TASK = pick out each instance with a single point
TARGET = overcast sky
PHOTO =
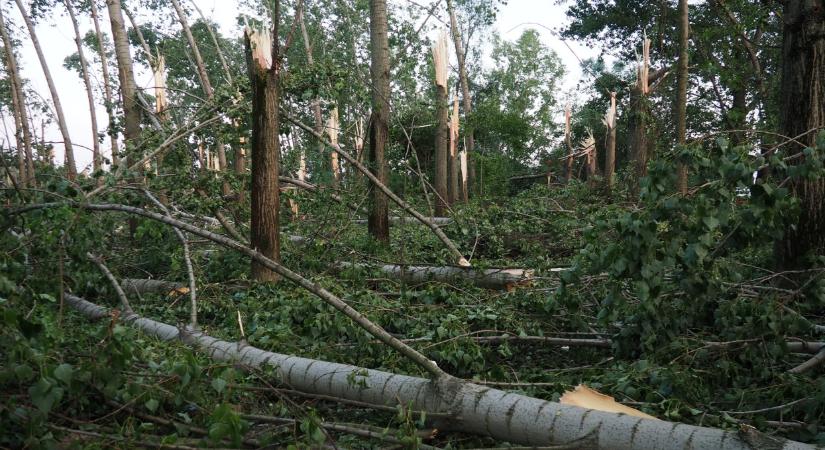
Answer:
(57, 39)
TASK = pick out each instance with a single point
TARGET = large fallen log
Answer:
(395, 220)
(474, 409)
(148, 286)
(487, 278)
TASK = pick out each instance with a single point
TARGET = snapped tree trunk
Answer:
(71, 168)
(107, 86)
(126, 75)
(97, 161)
(638, 141)
(22, 132)
(469, 141)
(316, 102)
(262, 63)
(379, 226)
(681, 91)
(475, 409)
(802, 108)
(610, 146)
(442, 131)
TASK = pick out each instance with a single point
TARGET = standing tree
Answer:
(681, 91)
(263, 65)
(610, 146)
(71, 168)
(107, 86)
(442, 190)
(568, 140)
(97, 161)
(20, 113)
(455, 194)
(802, 109)
(379, 224)
(128, 88)
(469, 140)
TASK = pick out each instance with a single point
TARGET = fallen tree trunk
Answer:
(475, 409)
(487, 278)
(147, 286)
(396, 220)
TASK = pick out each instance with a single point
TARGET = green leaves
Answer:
(45, 394)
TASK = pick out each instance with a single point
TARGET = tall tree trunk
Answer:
(379, 225)
(610, 146)
(128, 88)
(442, 132)
(263, 65)
(97, 162)
(455, 194)
(802, 108)
(638, 141)
(71, 168)
(22, 132)
(568, 139)
(469, 140)
(316, 102)
(107, 86)
(204, 78)
(681, 91)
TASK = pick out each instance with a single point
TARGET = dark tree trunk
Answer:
(441, 153)
(266, 146)
(379, 225)
(802, 108)
(681, 91)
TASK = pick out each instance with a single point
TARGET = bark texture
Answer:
(71, 168)
(486, 278)
(681, 91)
(802, 108)
(442, 136)
(379, 226)
(610, 146)
(266, 147)
(475, 409)
(126, 75)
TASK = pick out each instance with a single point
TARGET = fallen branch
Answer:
(488, 278)
(476, 409)
(124, 301)
(328, 297)
(389, 193)
(817, 360)
(147, 286)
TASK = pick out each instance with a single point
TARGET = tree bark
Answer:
(455, 193)
(568, 139)
(107, 86)
(802, 108)
(443, 198)
(266, 146)
(485, 278)
(379, 226)
(128, 88)
(71, 168)
(469, 140)
(681, 91)
(474, 409)
(22, 132)
(97, 161)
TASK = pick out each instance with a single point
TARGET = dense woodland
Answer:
(381, 224)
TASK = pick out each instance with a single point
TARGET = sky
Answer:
(57, 39)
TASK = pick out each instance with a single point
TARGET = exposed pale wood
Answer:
(488, 278)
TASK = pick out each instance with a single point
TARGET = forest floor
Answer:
(115, 386)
